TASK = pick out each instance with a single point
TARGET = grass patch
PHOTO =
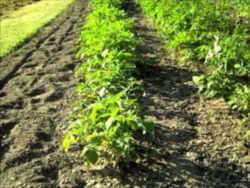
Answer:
(25, 22)
(8, 6)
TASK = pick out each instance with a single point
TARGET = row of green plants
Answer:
(107, 114)
(216, 35)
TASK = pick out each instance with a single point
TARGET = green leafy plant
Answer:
(214, 34)
(107, 114)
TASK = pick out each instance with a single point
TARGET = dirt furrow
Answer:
(36, 93)
(197, 143)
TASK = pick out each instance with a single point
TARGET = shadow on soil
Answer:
(165, 160)
(173, 158)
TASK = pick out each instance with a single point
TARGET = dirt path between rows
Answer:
(197, 143)
(36, 93)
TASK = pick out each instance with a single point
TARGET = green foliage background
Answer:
(215, 34)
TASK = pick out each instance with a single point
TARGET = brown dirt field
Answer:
(198, 143)
(36, 92)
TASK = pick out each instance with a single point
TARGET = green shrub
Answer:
(108, 113)
(215, 34)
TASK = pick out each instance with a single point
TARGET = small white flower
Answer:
(217, 47)
(102, 92)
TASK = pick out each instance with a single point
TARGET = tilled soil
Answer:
(197, 143)
(36, 92)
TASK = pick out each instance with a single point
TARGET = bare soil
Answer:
(37, 89)
(198, 143)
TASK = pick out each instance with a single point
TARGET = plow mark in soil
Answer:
(36, 93)
(194, 144)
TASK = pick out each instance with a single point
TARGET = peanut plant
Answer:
(214, 34)
(108, 112)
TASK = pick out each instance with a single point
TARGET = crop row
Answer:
(213, 33)
(107, 111)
